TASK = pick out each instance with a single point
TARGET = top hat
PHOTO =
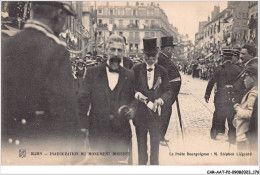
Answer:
(167, 41)
(64, 5)
(150, 46)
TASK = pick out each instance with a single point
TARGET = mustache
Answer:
(115, 59)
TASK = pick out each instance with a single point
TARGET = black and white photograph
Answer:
(130, 83)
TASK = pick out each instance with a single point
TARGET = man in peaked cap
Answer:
(152, 92)
(38, 106)
(164, 60)
(224, 76)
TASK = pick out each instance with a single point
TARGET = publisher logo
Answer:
(22, 153)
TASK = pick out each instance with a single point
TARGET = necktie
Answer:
(150, 69)
(112, 70)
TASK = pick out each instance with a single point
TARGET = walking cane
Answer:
(179, 115)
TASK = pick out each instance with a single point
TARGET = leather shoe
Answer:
(162, 143)
(164, 140)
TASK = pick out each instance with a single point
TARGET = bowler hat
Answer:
(64, 5)
(167, 41)
(150, 46)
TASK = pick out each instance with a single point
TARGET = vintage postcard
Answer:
(129, 83)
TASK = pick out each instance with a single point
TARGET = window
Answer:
(128, 12)
(100, 21)
(111, 11)
(131, 35)
(111, 21)
(130, 47)
(136, 47)
(136, 22)
(99, 33)
(134, 12)
(120, 23)
(152, 22)
(146, 34)
(99, 10)
(137, 35)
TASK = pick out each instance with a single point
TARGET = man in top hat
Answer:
(38, 106)
(224, 76)
(109, 90)
(164, 59)
(153, 92)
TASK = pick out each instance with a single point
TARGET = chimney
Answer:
(208, 19)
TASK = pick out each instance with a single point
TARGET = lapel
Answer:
(156, 74)
(103, 82)
(143, 77)
(121, 80)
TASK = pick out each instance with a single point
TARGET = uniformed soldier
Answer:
(164, 59)
(224, 76)
(38, 105)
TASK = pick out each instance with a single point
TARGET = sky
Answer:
(185, 15)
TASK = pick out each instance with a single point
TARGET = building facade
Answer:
(134, 23)
(229, 27)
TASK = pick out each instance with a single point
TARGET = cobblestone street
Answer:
(196, 119)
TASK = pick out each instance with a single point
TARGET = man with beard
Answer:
(164, 60)
(109, 90)
(38, 105)
(153, 92)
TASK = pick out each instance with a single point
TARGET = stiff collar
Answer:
(37, 25)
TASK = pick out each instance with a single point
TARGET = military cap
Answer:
(227, 51)
(64, 5)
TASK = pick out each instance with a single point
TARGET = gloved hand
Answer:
(141, 97)
(206, 97)
(158, 102)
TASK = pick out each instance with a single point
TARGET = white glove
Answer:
(158, 102)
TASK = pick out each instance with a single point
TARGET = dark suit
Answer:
(37, 86)
(147, 121)
(127, 63)
(107, 130)
(224, 76)
(164, 60)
